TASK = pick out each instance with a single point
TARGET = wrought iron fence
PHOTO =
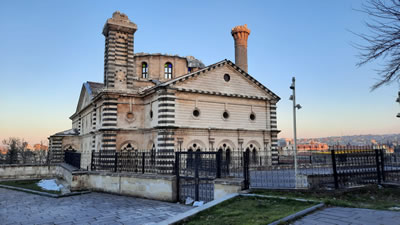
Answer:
(339, 167)
(73, 158)
(356, 165)
(391, 167)
(260, 170)
(135, 161)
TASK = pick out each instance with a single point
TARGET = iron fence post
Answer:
(335, 175)
(196, 174)
(116, 162)
(378, 168)
(246, 159)
(91, 161)
(218, 158)
(177, 174)
(382, 153)
(143, 161)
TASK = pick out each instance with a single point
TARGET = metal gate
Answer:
(195, 173)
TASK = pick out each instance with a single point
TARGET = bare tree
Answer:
(16, 146)
(383, 42)
(42, 154)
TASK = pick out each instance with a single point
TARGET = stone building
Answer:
(167, 103)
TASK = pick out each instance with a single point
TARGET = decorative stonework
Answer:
(240, 34)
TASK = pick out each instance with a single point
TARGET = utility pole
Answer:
(295, 106)
(398, 100)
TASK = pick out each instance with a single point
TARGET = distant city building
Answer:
(313, 146)
(29, 147)
(4, 149)
(38, 147)
(286, 146)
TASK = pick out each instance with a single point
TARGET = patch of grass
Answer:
(248, 211)
(28, 184)
(371, 197)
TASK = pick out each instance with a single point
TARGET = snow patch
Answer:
(50, 185)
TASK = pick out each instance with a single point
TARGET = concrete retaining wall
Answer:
(26, 171)
(151, 186)
(76, 180)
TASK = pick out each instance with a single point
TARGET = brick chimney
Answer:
(240, 35)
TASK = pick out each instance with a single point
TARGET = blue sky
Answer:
(49, 48)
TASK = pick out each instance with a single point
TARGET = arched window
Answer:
(145, 70)
(168, 70)
(225, 151)
(252, 149)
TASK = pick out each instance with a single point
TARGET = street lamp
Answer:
(295, 106)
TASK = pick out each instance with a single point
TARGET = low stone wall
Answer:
(76, 179)
(223, 187)
(151, 186)
(26, 171)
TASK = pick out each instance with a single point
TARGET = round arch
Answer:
(226, 143)
(252, 144)
(196, 145)
(69, 147)
(128, 145)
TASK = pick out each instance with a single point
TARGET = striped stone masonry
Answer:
(118, 55)
(94, 118)
(165, 148)
(80, 124)
(55, 149)
(109, 140)
(272, 121)
(166, 109)
(109, 113)
(274, 133)
(130, 76)
(165, 137)
(109, 60)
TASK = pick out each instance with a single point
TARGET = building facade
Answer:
(168, 103)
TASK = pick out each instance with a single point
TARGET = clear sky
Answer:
(49, 48)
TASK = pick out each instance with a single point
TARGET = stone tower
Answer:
(118, 55)
(240, 34)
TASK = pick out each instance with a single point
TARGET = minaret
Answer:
(240, 34)
(118, 55)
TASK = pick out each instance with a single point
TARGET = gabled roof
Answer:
(214, 66)
(70, 132)
(94, 88)
(91, 89)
